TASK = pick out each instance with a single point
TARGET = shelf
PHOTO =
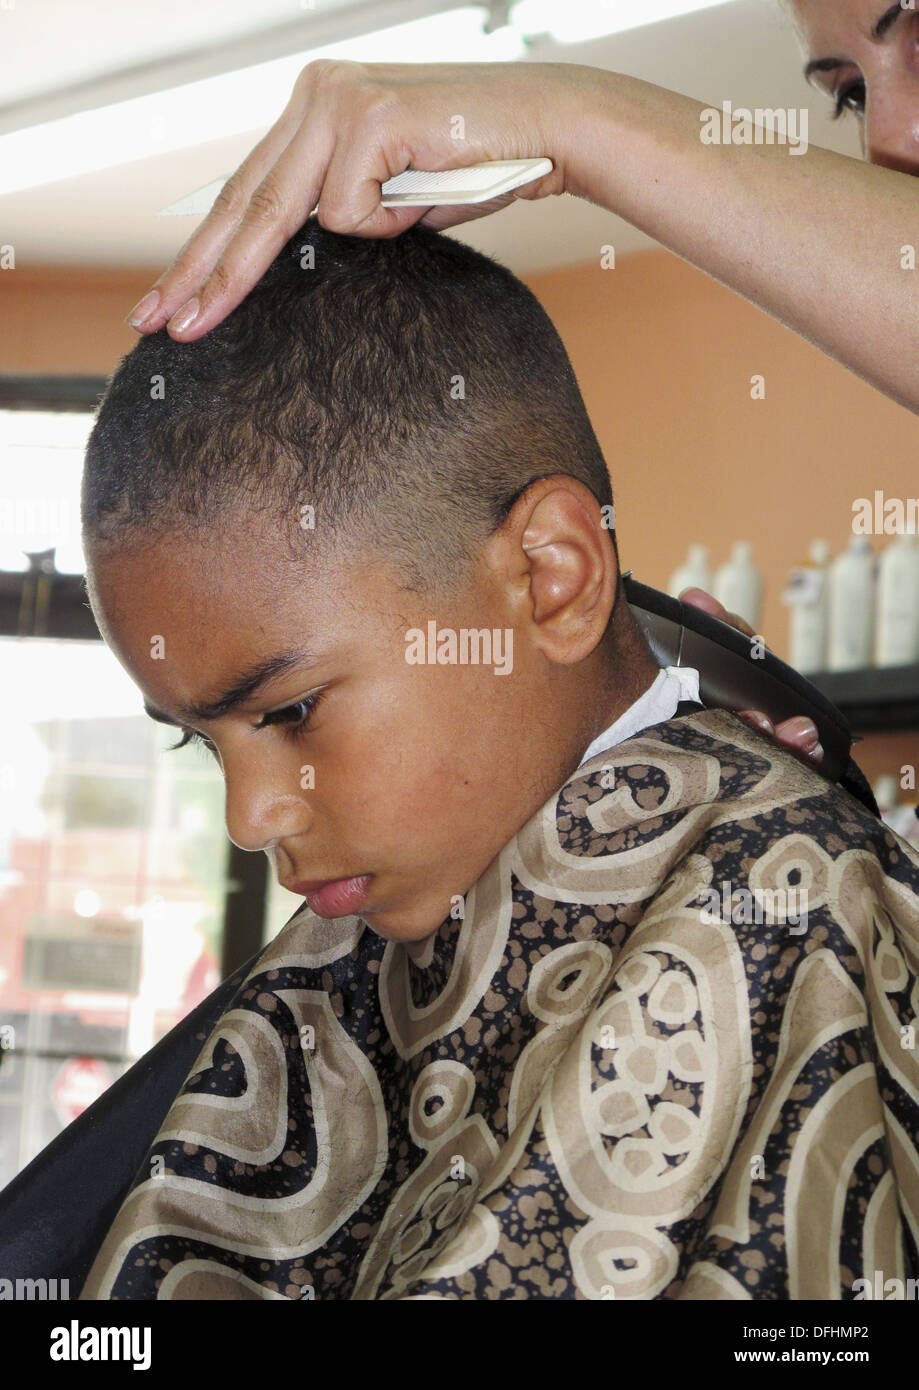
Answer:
(879, 700)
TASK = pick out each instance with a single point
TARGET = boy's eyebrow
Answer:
(242, 689)
(888, 18)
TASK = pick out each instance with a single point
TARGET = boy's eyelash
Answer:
(292, 728)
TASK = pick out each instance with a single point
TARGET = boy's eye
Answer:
(294, 718)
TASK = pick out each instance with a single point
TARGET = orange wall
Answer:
(68, 319)
(664, 356)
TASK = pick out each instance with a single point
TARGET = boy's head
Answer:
(382, 446)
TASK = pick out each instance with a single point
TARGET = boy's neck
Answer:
(631, 670)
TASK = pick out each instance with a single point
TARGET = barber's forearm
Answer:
(814, 239)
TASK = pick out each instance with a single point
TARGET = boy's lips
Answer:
(332, 897)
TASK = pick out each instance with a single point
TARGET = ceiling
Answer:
(59, 57)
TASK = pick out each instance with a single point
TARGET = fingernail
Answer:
(816, 753)
(143, 308)
(759, 721)
(800, 724)
(184, 316)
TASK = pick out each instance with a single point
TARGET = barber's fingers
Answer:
(347, 128)
(699, 598)
(799, 735)
(202, 251)
(330, 151)
(365, 154)
(277, 207)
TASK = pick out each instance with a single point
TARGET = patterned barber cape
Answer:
(668, 1051)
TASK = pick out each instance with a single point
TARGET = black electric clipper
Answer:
(732, 677)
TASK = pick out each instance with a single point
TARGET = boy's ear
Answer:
(569, 561)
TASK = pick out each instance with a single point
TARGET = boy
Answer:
(595, 994)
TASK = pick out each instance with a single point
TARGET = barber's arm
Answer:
(789, 231)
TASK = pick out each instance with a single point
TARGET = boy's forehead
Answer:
(244, 562)
(201, 627)
(216, 578)
(169, 606)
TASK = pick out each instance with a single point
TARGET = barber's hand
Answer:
(347, 128)
(799, 734)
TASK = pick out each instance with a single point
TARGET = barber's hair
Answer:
(407, 389)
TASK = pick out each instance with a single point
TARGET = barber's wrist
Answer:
(608, 117)
(573, 102)
(629, 146)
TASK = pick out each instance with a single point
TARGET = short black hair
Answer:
(408, 389)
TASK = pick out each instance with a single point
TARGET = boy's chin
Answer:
(407, 924)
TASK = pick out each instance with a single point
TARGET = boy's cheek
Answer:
(422, 777)
(427, 827)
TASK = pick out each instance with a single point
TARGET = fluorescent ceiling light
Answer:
(234, 102)
(577, 20)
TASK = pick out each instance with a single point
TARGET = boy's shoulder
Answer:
(708, 776)
(701, 819)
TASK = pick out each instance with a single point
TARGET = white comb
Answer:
(476, 183)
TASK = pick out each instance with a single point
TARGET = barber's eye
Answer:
(850, 97)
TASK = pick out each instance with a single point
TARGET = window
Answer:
(122, 901)
(41, 459)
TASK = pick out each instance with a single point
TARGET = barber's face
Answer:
(869, 55)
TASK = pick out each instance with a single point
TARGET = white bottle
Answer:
(901, 818)
(694, 574)
(739, 584)
(807, 593)
(898, 602)
(852, 587)
(885, 794)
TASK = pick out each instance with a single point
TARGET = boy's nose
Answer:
(265, 805)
